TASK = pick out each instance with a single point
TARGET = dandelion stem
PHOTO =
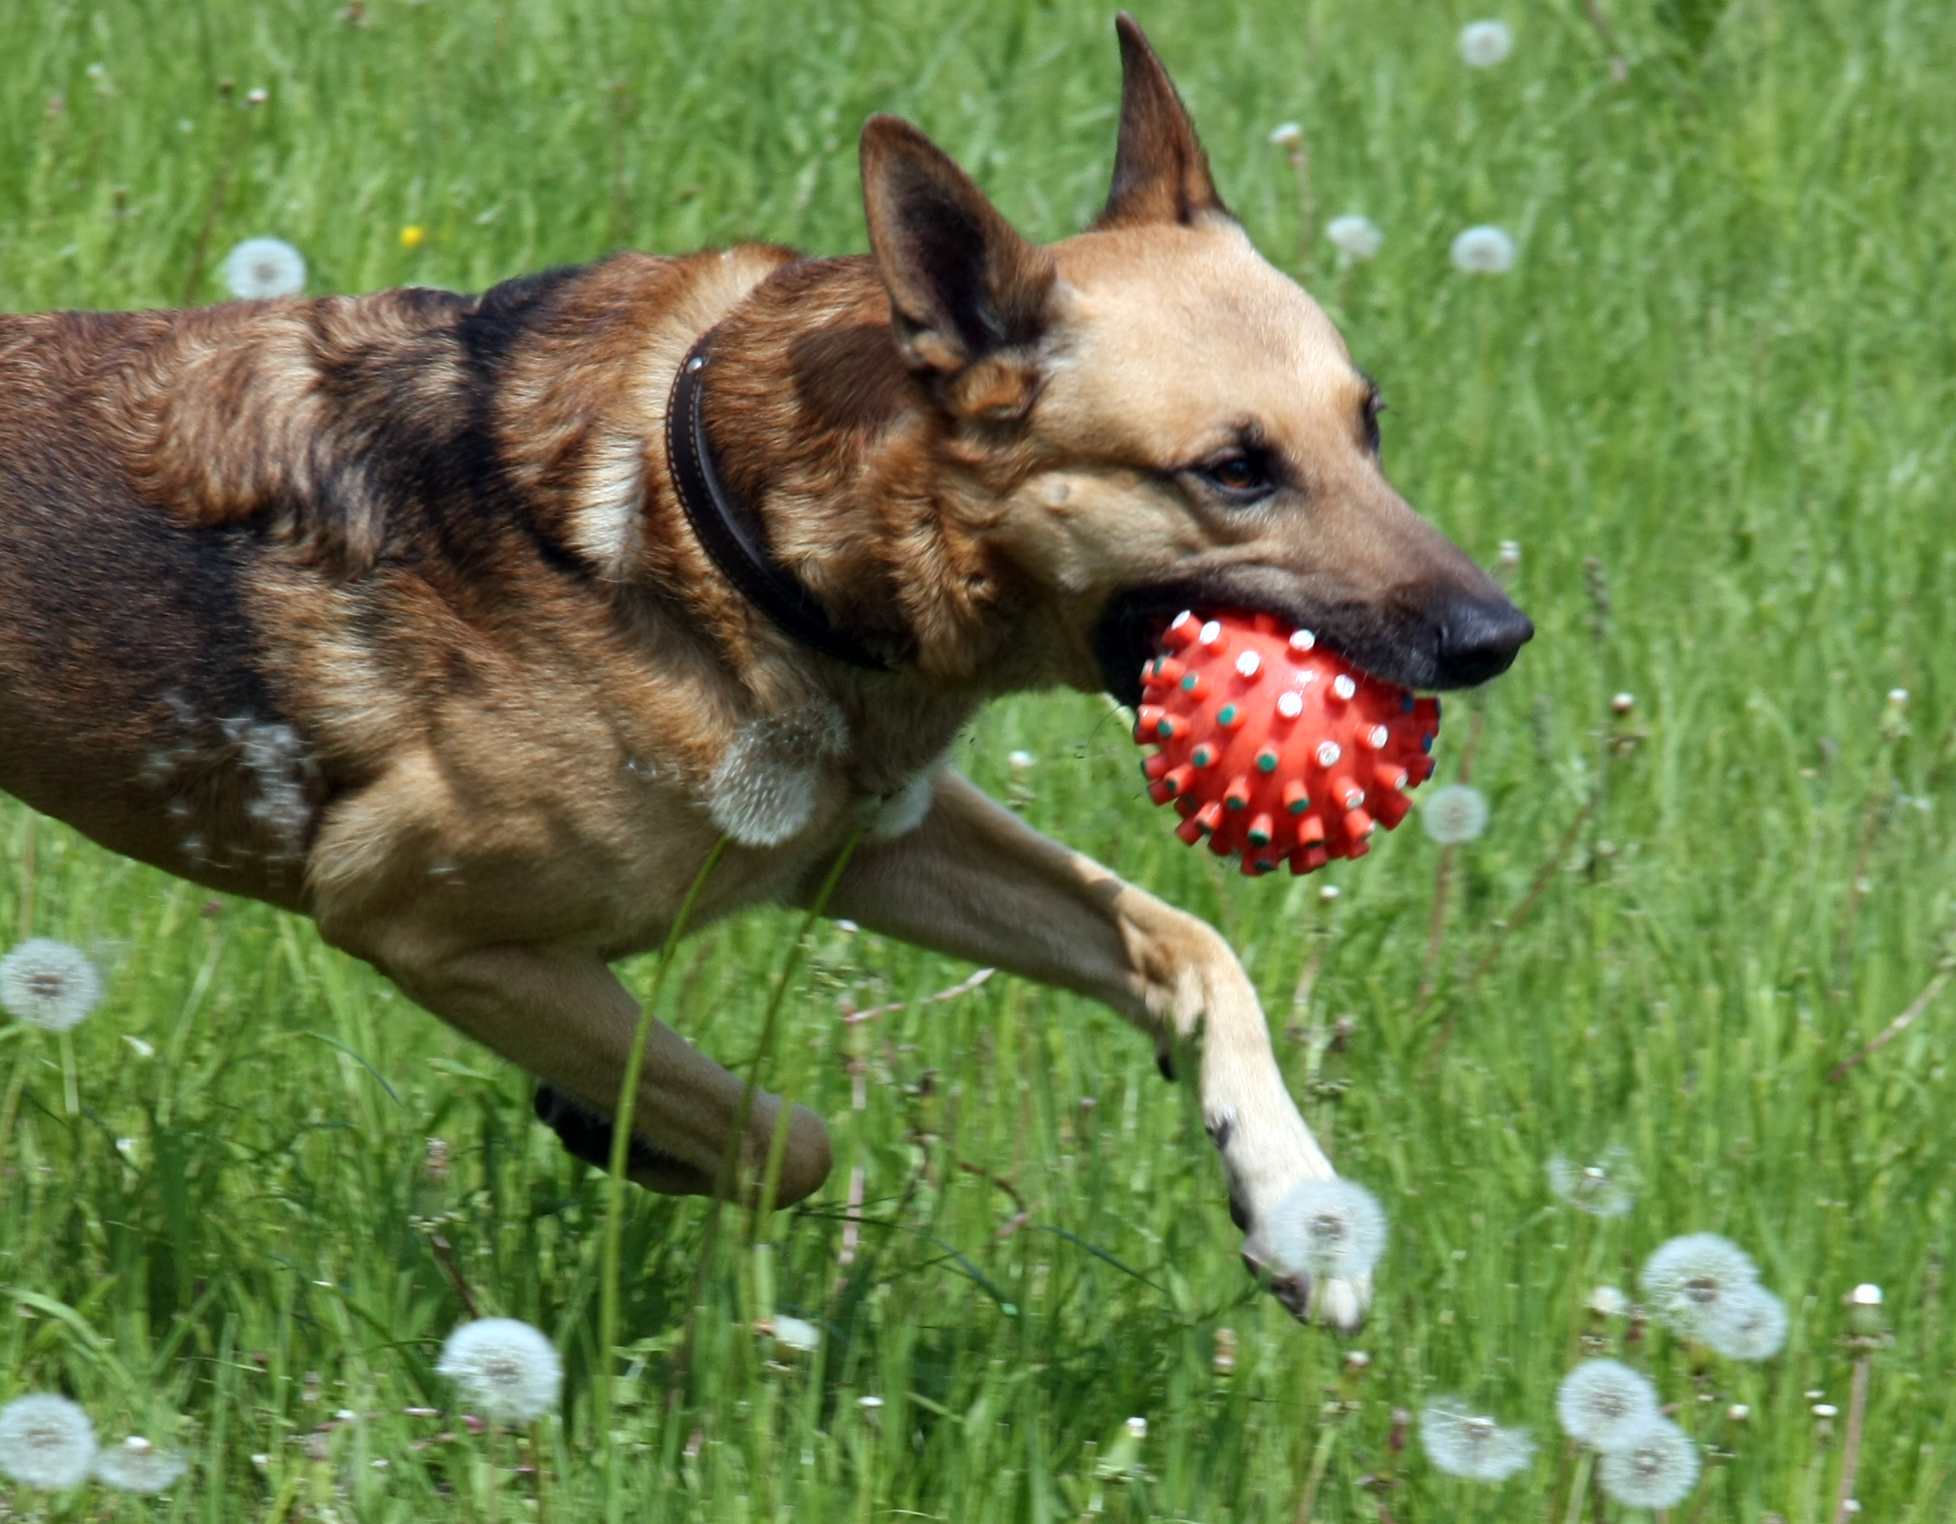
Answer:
(27, 831)
(621, 1137)
(445, 1257)
(1535, 891)
(220, 187)
(1320, 1463)
(1619, 70)
(725, 1181)
(1895, 1028)
(770, 1024)
(10, 1108)
(1579, 1484)
(1857, 1412)
(70, 1082)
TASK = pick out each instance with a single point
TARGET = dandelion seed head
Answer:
(1607, 1188)
(46, 1442)
(504, 1367)
(1867, 1294)
(1355, 237)
(797, 1334)
(1467, 1444)
(138, 1466)
(1608, 1302)
(1655, 1468)
(1483, 44)
(1687, 1280)
(261, 268)
(1483, 251)
(49, 984)
(1020, 761)
(1287, 134)
(1331, 1229)
(1604, 1403)
(1454, 814)
(1748, 1324)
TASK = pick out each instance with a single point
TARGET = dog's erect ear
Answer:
(1161, 173)
(963, 284)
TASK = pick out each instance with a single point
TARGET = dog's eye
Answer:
(1369, 420)
(1241, 477)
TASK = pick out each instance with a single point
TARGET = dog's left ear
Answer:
(964, 287)
(1161, 173)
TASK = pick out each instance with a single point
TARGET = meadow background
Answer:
(1712, 405)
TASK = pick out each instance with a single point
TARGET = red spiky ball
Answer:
(1275, 748)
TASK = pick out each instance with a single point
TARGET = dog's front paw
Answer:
(1315, 1248)
(1338, 1302)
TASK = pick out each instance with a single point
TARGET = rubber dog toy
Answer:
(1274, 748)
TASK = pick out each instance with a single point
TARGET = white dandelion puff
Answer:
(138, 1466)
(261, 268)
(1687, 1281)
(1749, 1324)
(1464, 1443)
(1454, 813)
(504, 1367)
(46, 1442)
(1604, 1404)
(1607, 1188)
(1355, 237)
(1287, 134)
(1483, 251)
(1332, 1229)
(1608, 1302)
(49, 984)
(1656, 1468)
(1483, 44)
(797, 1334)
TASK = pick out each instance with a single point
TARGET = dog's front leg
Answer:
(974, 881)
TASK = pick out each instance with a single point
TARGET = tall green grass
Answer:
(1713, 405)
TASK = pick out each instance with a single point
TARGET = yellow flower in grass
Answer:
(413, 236)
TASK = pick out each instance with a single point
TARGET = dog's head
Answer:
(1180, 423)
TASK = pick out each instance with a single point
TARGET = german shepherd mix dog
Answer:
(467, 625)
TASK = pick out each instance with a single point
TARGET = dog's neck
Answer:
(863, 485)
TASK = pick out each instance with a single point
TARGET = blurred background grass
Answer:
(1713, 406)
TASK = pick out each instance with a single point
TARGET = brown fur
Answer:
(383, 609)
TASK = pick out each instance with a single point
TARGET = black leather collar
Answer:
(732, 532)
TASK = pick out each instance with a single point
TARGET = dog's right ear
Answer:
(964, 286)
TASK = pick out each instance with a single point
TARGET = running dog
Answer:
(467, 626)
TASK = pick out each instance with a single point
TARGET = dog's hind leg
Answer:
(565, 1017)
(974, 881)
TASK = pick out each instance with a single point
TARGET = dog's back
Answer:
(169, 481)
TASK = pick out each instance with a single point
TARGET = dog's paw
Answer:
(1312, 1243)
(1338, 1302)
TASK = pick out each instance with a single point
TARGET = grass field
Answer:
(1712, 404)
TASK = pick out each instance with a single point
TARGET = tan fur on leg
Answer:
(974, 881)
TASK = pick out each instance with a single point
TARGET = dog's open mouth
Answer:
(1130, 633)
(1416, 637)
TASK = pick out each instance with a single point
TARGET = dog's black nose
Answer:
(1478, 639)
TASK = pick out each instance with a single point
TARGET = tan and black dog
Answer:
(467, 625)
